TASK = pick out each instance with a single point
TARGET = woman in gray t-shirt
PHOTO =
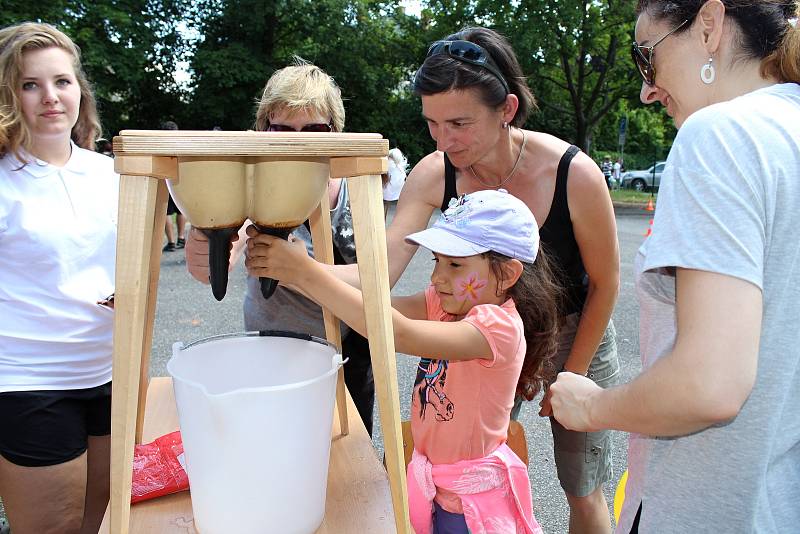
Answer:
(715, 436)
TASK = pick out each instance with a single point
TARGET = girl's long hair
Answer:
(15, 136)
(537, 296)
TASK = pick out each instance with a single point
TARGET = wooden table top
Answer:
(358, 498)
(205, 143)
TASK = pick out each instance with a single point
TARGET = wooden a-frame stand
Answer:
(144, 159)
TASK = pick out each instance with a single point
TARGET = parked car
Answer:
(644, 180)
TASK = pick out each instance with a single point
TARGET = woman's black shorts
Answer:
(40, 428)
(172, 208)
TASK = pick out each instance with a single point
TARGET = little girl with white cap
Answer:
(491, 291)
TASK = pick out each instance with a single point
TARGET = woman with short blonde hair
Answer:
(301, 98)
(298, 88)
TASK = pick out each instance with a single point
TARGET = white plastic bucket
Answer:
(256, 412)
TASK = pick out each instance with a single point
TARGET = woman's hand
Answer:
(272, 257)
(197, 254)
(571, 398)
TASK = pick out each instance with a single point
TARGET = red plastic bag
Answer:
(159, 468)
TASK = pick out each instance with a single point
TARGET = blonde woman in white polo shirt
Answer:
(58, 204)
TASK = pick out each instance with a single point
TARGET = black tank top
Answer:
(556, 234)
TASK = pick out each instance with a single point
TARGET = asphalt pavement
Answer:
(186, 311)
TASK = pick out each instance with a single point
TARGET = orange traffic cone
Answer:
(650, 206)
(649, 229)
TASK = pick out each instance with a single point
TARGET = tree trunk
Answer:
(582, 134)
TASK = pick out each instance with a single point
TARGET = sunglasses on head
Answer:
(643, 56)
(468, 52)
(317, 128)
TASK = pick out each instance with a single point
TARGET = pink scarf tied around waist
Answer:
(495, 492)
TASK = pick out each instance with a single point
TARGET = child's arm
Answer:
(412, 306)
(272, 257)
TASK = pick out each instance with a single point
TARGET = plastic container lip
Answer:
(178, 346)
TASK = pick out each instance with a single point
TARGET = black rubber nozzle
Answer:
(268, 285)
(219, 253)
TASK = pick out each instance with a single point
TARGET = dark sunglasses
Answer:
(468, 52)
(643, 56)
(318, 128)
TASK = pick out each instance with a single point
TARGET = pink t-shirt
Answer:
(460, 410)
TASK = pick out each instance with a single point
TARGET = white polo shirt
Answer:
(58, 228)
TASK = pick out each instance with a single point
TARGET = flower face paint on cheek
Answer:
(470, 287)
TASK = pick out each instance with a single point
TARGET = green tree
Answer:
(574, 52)
(577, 54)
(369, 47)
(649, 136)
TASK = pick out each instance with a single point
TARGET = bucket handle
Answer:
(285, 333)
(260, 333)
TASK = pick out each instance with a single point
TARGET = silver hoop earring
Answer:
(707, 72)
(505, 125)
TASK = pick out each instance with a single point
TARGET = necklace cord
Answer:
(513, 169)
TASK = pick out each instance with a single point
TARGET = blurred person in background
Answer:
(172, 209)
(396, 179)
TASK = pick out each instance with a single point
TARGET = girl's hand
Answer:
(273, 257)
(108, 302)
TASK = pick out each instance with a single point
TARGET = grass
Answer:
(629, 196)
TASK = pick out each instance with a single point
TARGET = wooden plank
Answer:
(347, 167)
(211, 143)
(517, 441)
(239, 133)
(159, 219)
(157, 167)
(358, 497)
(366, 202)
(137, 202)
(320, 223)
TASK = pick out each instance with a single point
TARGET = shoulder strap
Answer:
(563, 170)
(559, 208)
(449, 182)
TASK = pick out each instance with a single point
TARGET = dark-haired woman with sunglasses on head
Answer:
(475, 101)
(715, 432)
(301, 98)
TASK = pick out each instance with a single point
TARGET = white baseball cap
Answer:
(480, 222)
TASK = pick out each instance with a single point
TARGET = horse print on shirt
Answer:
(431, 377)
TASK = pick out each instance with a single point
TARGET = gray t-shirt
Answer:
(290, 311)
(729, 204)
